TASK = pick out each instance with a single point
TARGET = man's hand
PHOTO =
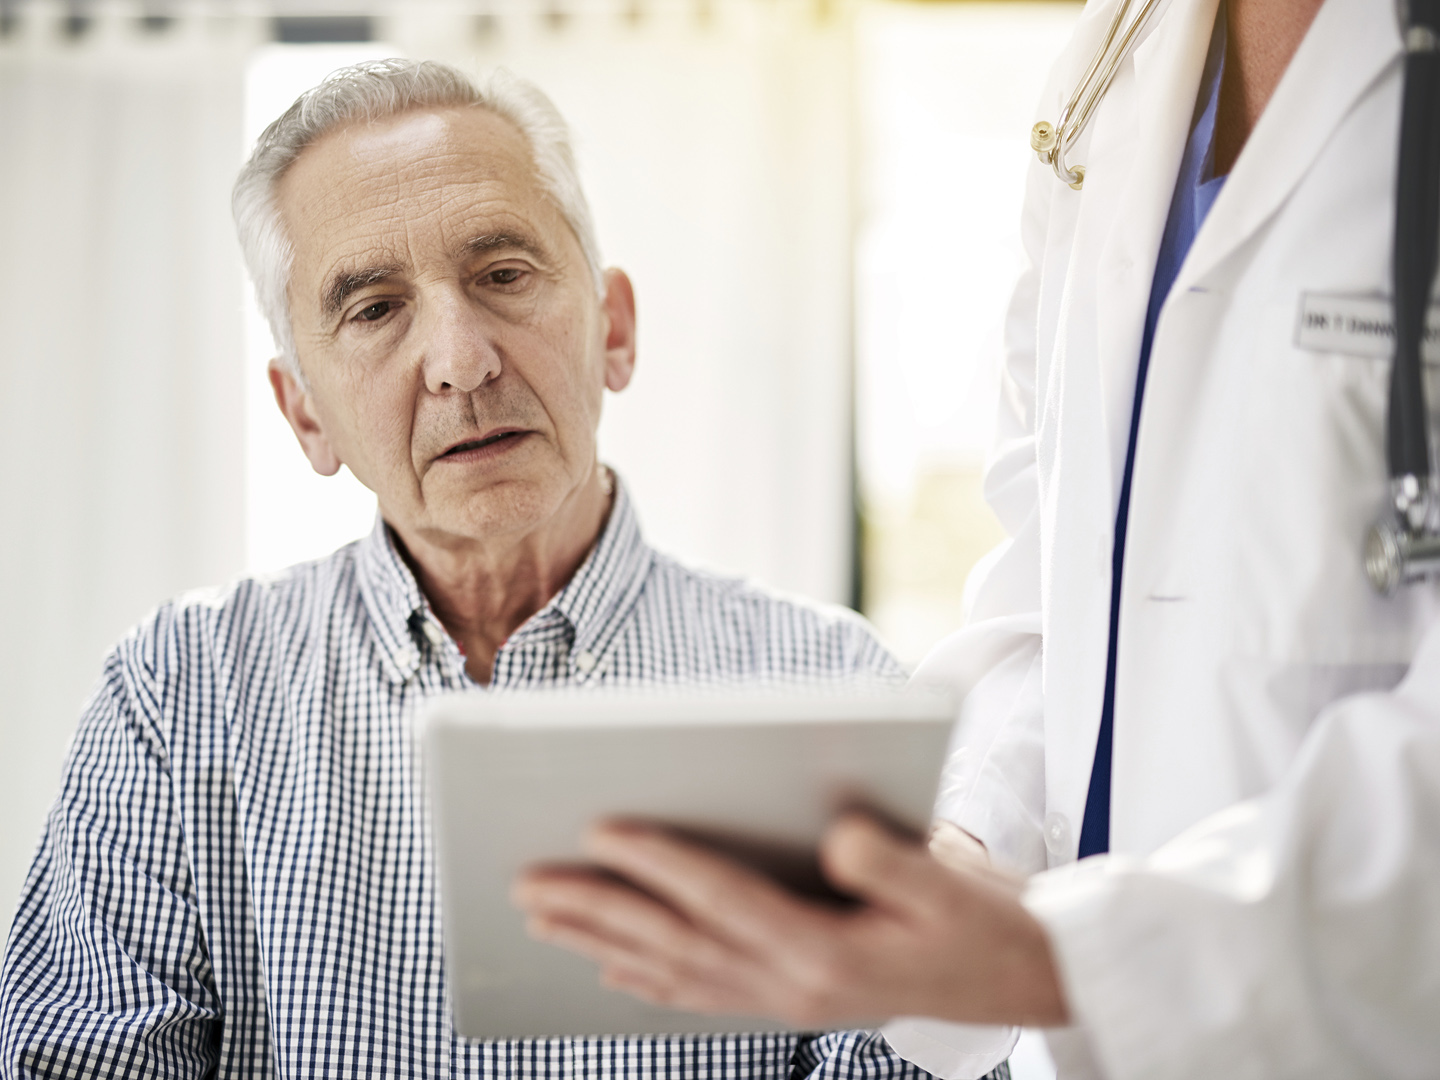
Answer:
(697, 931)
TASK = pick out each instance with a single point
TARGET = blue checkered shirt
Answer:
(237, 878)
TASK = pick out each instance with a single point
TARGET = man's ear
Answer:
(619, 305)
(294, 402)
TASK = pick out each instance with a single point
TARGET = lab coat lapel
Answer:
(1166, 76)
(1348, 47)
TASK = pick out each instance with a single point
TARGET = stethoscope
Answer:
(1403, 546)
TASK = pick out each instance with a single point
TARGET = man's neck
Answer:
(483, 592)
(1261, 39)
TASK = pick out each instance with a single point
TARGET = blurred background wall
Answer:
(817, 201)
(122, 450)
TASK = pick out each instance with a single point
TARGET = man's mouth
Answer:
(494, 441)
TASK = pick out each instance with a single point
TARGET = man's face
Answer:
(447, 325)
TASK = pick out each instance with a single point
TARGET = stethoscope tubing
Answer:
(1403, 546)
(1417, 231)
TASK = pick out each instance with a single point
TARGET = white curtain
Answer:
(120, 425)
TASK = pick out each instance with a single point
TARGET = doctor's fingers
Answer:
(866, 859)
(717, 894)
(697, 977)
(756, 993)
(561, 901)
(663, 990)
(893, 873)
(644, 948)
(806, 988)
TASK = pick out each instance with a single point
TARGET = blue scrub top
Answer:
(1195, 191)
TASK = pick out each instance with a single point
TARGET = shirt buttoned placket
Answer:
(445, 666)
(535, 656)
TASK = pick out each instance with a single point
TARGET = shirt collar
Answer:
(393, 598)
(599, 598)
(593, 604)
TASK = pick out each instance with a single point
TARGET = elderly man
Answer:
(237, 877)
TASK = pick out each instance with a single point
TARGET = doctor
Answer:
(1176, 663)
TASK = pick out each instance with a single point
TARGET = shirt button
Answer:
(1057, 834)
(405, 658)
(586, 662)
(433, 632)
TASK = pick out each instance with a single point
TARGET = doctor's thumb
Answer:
(862, 857)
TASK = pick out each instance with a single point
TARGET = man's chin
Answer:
(508, 508)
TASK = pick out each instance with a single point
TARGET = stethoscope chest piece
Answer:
(1395, 555)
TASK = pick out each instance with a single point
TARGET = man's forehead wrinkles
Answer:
(367, 217)
(417, 239)
(473, 222)
(440, 171)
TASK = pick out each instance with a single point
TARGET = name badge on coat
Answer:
(1357, 325)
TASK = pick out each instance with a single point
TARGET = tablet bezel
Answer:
(771, 768)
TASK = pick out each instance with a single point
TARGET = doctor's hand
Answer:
(678, 925)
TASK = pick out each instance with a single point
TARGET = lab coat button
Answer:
(585, 661)
(1057, 834)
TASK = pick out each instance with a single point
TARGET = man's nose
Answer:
(460, 351)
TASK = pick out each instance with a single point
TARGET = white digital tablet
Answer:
(515, 779)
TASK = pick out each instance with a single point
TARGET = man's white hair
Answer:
(374, 91)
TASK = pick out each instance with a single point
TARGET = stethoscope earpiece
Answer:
(1051, 141)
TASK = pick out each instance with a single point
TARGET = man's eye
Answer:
(506, 276)
(377, 310)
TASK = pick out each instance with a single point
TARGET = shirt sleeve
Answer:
(866, 659)
(857, 1055)
(106, 971)
(1293, 935)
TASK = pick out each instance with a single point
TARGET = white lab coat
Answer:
(1296, 933)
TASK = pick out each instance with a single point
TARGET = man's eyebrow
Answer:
(495, 241)
(346, 282)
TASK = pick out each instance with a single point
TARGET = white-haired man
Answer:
(237, 878)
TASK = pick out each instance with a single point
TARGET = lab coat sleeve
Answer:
(994, 776)
(1293, 935)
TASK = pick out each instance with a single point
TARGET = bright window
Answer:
(947, 95)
